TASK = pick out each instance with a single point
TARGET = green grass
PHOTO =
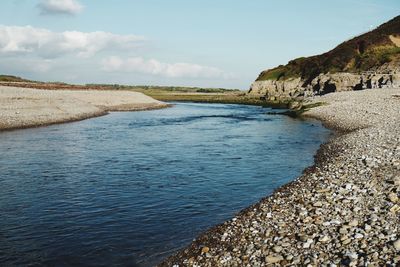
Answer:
(150, 88)
(11, 78)
(297, 113)
(225, 98)
(196, 94)
(375, 57)
(274, 74)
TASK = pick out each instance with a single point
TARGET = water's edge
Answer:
(246, 141)
(84, 116)
(211, 236)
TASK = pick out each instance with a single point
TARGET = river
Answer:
(130, 188)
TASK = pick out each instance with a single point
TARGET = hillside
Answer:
(12, 79)
(375, 52)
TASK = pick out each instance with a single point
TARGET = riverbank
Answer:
(26, 107)
(218, 98)
(161, 93)
(342, 211)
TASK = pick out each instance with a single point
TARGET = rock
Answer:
(358, 236)
(396, 244)
(308, 243)
(273, 259)
(295, 105)
(346, 241)
(318, 204)
(324, 239)
(302, 237)
(289, 257)
(205, 250)
(275, 90)
(352, 255)
(277, 249)
(224, 237)
(393, 197)
(324, 83)
(353, 223)
(343, 230)
(395, 208)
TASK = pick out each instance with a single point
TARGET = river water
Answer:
(130, 188)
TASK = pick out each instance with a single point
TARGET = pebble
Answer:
(346, 241)
(395, 208)
(358, 236)
(205, 250)
(324, 239)
(273, 259)
(308, 243)
(318, 204)
(277, 249)
(353, 223)
(396, 244)
(393, 197)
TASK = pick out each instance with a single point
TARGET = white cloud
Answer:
(42, 54)
(53, 7)
(48, 44)
(155, 67)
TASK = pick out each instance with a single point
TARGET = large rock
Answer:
(387, 76)
(277, 90)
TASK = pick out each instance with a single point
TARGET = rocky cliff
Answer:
(371, 60)
(326, 83)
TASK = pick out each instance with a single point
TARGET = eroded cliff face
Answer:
(387, 76)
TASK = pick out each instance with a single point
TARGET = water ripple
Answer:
(131, 188)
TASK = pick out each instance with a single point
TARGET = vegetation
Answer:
(162, 93)
(295, 113)
(11, 78)
(375, 57)
(362, 53)
(151, 88)
(226, 98)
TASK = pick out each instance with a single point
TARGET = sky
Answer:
(204, 43)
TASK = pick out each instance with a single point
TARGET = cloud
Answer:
(155, 67)
(48, 44)
(54, 7)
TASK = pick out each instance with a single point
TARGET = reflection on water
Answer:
(131, 188)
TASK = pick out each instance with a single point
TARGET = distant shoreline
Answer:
(345, 208)
(26, 107)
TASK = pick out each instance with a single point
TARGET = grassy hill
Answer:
(362, 53)
(11, 78)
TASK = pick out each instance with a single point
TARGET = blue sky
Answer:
(208, 43)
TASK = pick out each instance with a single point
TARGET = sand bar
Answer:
(26, 107)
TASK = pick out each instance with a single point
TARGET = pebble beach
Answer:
(343, 211)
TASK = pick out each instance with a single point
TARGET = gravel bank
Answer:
(25, 107)
(343, 211)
